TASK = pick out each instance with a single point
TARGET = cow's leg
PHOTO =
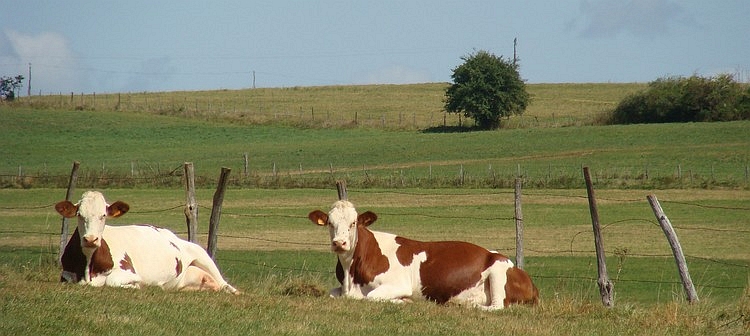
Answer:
(497, 279)
(124, 279)
(207, 265)
(197, 279)
(393, 293)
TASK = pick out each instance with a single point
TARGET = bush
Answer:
(680, 99)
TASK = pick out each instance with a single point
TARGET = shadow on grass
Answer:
(453, 129)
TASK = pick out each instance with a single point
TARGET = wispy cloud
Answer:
(52, 60)
(642, 18)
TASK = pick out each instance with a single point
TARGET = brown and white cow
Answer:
(131, 256)
(382, 266)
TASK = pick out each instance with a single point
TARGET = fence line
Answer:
(135, 172)
(605, 227)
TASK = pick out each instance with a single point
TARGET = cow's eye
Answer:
(353, 224)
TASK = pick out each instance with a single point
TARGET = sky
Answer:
(184, 45)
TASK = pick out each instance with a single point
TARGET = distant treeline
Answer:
(691, 99)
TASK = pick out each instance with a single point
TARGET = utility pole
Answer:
(28, 86)
(515, 57)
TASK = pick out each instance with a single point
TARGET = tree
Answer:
(486, 88)
(8, 87)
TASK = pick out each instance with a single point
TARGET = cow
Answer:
(131, 256)
(386, 267)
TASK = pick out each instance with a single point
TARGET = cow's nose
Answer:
(90, 241)
(339, 245)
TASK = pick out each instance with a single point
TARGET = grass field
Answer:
(269, 249)
(422, 183)
(418, 106)
(148, 148)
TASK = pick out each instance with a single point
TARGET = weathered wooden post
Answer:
(519, 225)
(68, 196)
(191, 206)
(606, 288)
(679, 257)
(213, 223)
(341, 189)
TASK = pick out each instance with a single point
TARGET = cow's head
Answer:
(92, 211)
(342, 223)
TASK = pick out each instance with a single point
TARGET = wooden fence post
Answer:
(341, 189)
(244, 171)
(191, 206)
(519, 225)
(606, 288)
(679, 257)
(68, 195)
(213, 223)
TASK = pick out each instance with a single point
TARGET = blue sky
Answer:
(135, 46)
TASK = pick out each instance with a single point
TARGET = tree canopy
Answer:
(486, 88)
(691, 99)
(8, 87)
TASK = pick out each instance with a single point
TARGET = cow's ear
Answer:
(117, 209)
(318, 217)
(366, 218)
(66, 209)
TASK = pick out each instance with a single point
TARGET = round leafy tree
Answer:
(486, 88)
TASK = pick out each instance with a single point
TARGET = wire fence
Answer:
(738, 234)
(426, 175)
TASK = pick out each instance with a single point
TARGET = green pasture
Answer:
(37, 148)
(407, 161)
(270, 250)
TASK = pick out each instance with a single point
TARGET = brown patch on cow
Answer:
(67, 209)
(126, 264)
(339, 271)
(368, 260)
(318, 217)
(117, 209)
(73, 260)
(178, 268)
(519, 288)
(101, 260)
(450, 268)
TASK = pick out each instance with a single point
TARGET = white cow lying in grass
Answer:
(382, 266)
(131, 256)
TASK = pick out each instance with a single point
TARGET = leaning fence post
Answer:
(213, 223)
(519, 225)
(606, 288)
(68, 196)
(679, 257)
(191, 206)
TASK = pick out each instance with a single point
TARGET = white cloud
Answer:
(52, 61)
